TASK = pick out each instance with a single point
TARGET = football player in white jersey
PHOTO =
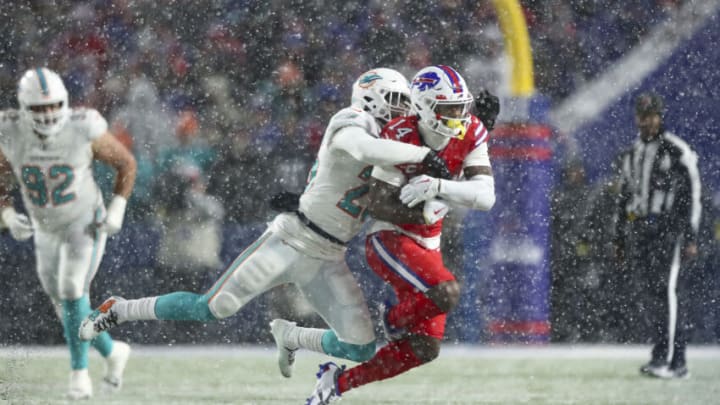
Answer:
(307, 246)
(49, 147)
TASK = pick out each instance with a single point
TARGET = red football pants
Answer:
(411, 270)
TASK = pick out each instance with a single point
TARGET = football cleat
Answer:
(80, 385)
(653, 368)
(115, 366)
(285, 352)
(100, 320)
(326, 389)
(392, 333)
(681, 373)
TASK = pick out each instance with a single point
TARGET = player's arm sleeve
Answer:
(5, 133)
(478, 190)
(97, 126)
(390, 175)
(7, 178)
(6, 182)
(379, 152)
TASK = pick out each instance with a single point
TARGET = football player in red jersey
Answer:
(403, 246)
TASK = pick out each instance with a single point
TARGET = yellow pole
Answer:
(517, 44)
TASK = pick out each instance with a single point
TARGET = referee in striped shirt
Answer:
(658, 217)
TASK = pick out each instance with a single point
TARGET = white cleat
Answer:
(100, 320)
(326, 389)
(115, 366)
(285, 352)
(680, 373)
(80, 385)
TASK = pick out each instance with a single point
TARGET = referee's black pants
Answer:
(654, 258)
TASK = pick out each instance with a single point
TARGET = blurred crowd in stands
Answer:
(240, 89)
(224, 102)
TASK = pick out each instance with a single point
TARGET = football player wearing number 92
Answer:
(49, 147)
(305, 246)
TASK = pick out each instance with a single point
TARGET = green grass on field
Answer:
(541, 375)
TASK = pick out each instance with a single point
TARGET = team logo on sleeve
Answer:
(426, 81)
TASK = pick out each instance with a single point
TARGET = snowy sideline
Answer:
(554, 351)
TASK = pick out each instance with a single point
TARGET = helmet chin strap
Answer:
(431, 138)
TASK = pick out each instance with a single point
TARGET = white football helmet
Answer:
(441, 100)
(43, 101)
(383, 93)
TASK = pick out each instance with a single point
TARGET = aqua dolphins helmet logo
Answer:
(368, 79)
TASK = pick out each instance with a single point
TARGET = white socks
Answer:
(306, 338)
(142, 309)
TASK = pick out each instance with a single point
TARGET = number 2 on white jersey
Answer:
(349, 203)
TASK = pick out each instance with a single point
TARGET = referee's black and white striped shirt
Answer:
(660, 178)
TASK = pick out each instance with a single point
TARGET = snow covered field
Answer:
(462, 375)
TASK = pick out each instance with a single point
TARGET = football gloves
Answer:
(18, 224)
(435, 166)
(487, 108)
(419, 189)
(434, 210)
(115, 214)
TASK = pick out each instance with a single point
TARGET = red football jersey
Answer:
(405, 129)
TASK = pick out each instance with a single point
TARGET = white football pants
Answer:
(329, 286)
(68, 260)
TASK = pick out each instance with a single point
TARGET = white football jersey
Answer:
(337, 191)
(55, 177)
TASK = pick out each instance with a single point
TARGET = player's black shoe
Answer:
(653, 368)
(680, 372)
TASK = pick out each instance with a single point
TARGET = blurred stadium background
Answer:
(231, 97)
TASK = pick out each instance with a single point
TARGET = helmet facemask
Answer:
(48, 119)
(383, 93)
(398, 103)
(451, 118)
(43, 101)
(442, 102)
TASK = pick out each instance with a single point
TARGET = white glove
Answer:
(18, 224)
(115, 215)
(434, 210)
(419, 189)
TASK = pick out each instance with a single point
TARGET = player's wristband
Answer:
(8, 215)
(116, 209)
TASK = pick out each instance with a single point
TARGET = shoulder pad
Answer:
(9, 120)
(89, 121)
(9, 116)
(354, 117)
(477, 132)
